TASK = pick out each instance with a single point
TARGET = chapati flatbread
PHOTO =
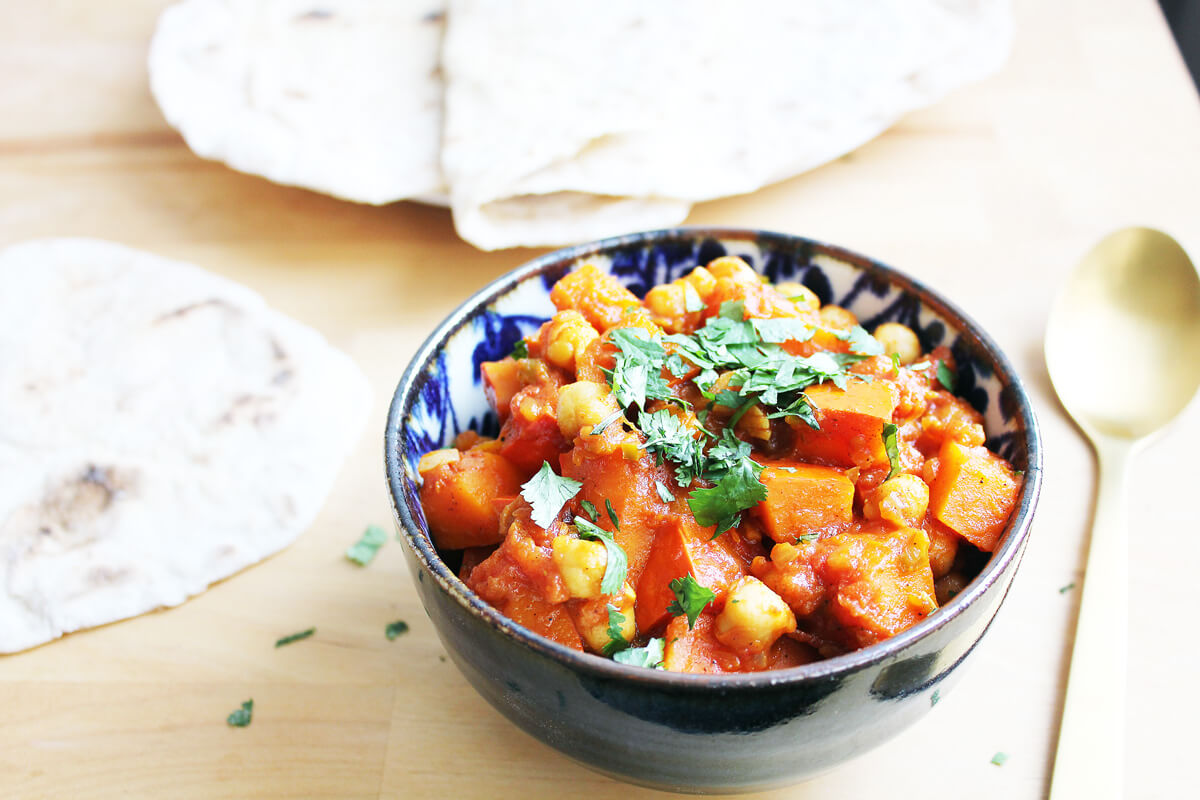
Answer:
(162, 428)
(556, 111)
(342, 96)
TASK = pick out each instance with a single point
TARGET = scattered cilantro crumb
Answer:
(1067, 588)
(364, 550)
(1000, 758)
(394, 629)
(295, 637)
(892, 449)
(240, 718)
(946, 376)
(520, 349)
(935, 697)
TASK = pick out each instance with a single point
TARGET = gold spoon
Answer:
(1123, 352)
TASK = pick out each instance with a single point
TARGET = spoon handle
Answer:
(1090, 762)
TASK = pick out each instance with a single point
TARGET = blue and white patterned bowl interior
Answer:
(450, 397)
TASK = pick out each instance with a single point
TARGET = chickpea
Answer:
(804, 298)
(436, 458)
(832, 316)
(592, 621)
(902, 500)
(899, 339)
(667, 300)
(581, 564)
(702, 281)
(582, 404)
(735, 269)
(755, 424)
(567, 336)
(753, 617)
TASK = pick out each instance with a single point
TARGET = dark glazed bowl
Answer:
(702, 733)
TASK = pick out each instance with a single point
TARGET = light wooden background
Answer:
(990, 196)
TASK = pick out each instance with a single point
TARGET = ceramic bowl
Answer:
(683, 732)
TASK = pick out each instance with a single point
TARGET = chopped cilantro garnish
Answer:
(690, 598)
(590, 508)
(599, 427)
(896, 362)
(617, 564)
(1067, 588)
(616, 639)
(240, 718)
(668, 437)
(1000, 758)
(649, 656)
(735, 491)
(946, 376)
(691, 299)
(612, 514)
(520, 349)
(547, 493)
(295, 637)
(637, 374)
(863, 343)
(363, 551)
(394, 629)
(733, 310)
(892, 449)
(664, 492)
(807, 538)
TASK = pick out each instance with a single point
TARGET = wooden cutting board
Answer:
(990, 196)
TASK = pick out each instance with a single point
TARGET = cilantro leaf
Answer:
(637, 373)
(668, 437)
(364, 550)
(807, 538)
(547, 493)
(599, 427)
(617, 564)
(616, 639)
(946, 377)
(782, 329)
(394, 629)
(1000, 758)
(664, 492)
(590, 508)
(612, 514)
(520, 349)
(863, 343)
(295, 637)
(892, 449)
(734, 310)
(735, 491)
(690, 598)
(649, 656)
(240, 718)
(691, 299)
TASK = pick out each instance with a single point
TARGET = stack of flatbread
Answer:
(545, 123)
(161, 429)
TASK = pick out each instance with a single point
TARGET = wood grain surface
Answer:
(990, 196)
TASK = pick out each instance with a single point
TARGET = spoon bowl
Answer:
(1123, 353)
(1123, 343)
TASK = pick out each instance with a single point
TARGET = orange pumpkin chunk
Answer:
(973, 493)
(851, 422)
(804, 498)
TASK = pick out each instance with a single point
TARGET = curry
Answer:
(723, 476)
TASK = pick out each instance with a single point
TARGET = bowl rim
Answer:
(421, 545)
